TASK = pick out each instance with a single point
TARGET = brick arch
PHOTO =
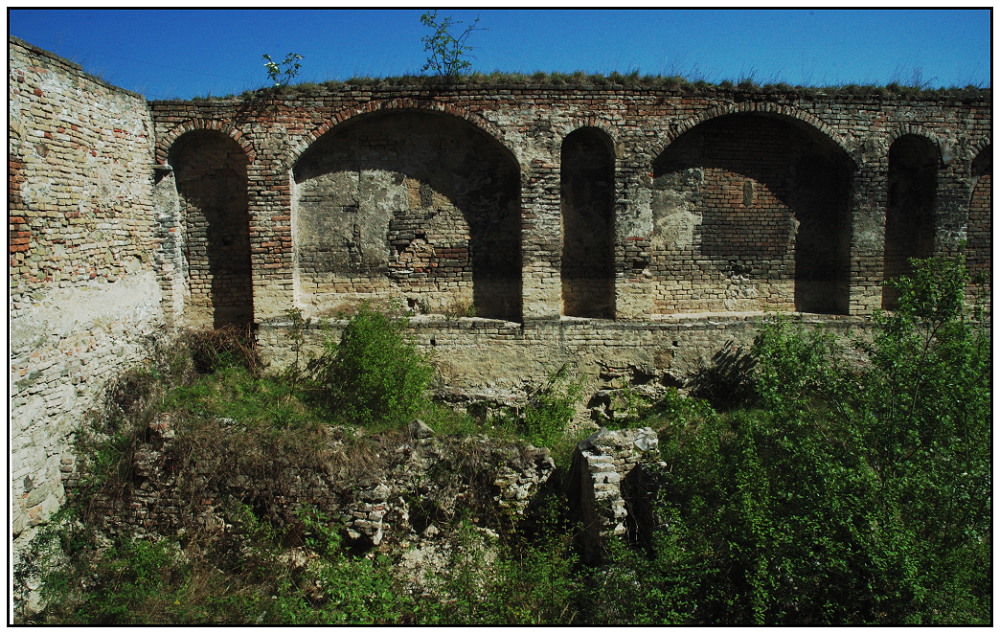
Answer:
(978, 148)
(398, 105)
(575, 124)
(750, 213)
(452, 236)
(213, 200)
(765, 108)
(900, 130)
(194, 125)
(912, 214)
(979, 223)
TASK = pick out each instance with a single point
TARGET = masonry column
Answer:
(633, 226)
(540, 241)
(951, 209)
(272, 259)
(869, 197)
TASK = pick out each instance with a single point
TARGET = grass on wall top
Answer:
(580, 80)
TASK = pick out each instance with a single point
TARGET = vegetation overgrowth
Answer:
(832, 493)
(632, 80)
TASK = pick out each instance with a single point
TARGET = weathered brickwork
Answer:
(214, 229)
(750, 214)
(623, 231)
(416, 206)
(980, 237)
(720, 201)
(85, 296)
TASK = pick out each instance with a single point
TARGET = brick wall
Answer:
(84, 289)
(721, 200)
(413, 208)
(749, 213)
(980, 235)
(211, 184)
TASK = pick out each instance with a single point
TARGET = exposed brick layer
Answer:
(85, 298)
(721, 200)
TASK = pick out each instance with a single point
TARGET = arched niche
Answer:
(909, 221)
(587, 186)
(751, 212)
(979, 246)
(210, 173)
(412, 208)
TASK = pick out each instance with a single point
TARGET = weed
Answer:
(446, 53)
(223, 347)
(548, 411)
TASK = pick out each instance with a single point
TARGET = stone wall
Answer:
(499, 363)
(980, 235)
(594, 226)
(716, 200)
(85, 294)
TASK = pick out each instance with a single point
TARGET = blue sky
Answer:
(182, 53)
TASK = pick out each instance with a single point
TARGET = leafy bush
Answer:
(781, 509)
(678, 409)
(446, 53)
(923, 411)
(373, 377)
(337, 588)
(281, 73)
(126, 582)
(871, 510)
(791, 366)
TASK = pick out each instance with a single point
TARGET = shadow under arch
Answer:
(412, 205)
(210, 174)
(979, 234)
(910, 219)
(587, 190)
(761, 201)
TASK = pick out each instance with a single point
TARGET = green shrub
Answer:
(924, 412)
(874, 509)
(792, 366)
(337, 588)
(373, 377)
(779, 511)
(127, 582)
(673, 408)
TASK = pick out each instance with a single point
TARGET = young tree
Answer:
(282, 72)
(446, 53)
